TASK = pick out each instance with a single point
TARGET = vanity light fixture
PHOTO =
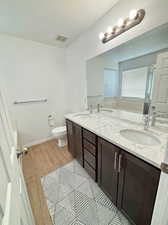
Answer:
(109, 30)
(133, 14)
(135, 17)
(120, 22)
(101, 36)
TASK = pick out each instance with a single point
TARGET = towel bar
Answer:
(30, 101)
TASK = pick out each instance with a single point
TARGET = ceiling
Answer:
(43, 20)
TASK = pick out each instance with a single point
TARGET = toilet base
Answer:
(62, 142)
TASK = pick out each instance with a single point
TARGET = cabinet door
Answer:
(70, 137)
(78, 143)
(107, 168)
(138, 183)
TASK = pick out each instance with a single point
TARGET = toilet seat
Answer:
(59, 131)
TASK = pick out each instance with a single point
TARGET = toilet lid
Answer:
(59, 129)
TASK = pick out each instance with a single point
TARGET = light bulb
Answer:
(109, 30)
(120, 22)
(101, 36)
(133, 14)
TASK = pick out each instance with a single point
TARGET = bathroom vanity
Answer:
(122, 143)
(128, 177)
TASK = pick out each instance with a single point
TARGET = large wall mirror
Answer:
(132, 76)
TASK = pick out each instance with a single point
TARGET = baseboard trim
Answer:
(28, 145)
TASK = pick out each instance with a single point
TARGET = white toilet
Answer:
(60, 134)
(57, 132)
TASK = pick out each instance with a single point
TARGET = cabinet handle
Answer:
(115, 160)
(119, 164)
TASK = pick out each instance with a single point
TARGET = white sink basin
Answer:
(140, 137)
(84, 115)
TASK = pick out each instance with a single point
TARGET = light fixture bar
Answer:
(123, 25)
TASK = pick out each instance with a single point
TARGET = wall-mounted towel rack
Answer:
(30, 101)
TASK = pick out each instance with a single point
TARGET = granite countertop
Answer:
(107, 124)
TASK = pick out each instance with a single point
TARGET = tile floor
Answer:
(73, 198)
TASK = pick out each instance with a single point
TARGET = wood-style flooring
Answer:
(41, 160)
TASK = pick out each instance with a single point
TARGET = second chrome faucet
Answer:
(91, 108)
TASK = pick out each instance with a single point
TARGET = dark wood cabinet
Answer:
(77, 130)
(90, 153)
(91, 159)
(128, 181)
(70, 137)
(137, 188)
(90, 170)
(107, 168)
(74, 136)
(91, 137)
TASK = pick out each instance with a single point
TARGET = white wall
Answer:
(88, 45)
(95, 73)
(95, 76)
(30, 70)
(95, 80)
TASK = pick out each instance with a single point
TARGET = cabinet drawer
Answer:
(90, 158)
(89, 146)
(89, 136)
(90, 170)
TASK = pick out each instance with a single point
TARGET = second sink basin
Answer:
(140, 137)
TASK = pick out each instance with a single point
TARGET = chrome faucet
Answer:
(153, 115)
(149, 117)
(147, 111)
(146, 121)
(98, 108)
(90, 109)
(157, 114)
